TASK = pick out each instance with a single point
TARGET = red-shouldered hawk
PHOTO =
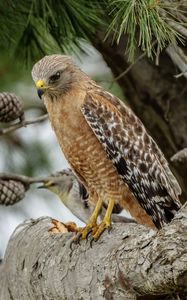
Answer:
(107, 146)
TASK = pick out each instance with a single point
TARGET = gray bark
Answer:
(131, 262)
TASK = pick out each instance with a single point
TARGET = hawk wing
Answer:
(135, 155)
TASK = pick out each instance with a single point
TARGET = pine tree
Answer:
(34, 28)
(142, 41)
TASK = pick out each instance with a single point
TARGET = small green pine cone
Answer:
(11, 108)
(11, 191)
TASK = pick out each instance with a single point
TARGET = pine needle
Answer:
(143, 21)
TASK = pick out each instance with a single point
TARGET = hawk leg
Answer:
(92, 223)
(106, 223)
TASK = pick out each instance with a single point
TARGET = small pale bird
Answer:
(71, 192)
(107, 147)
(74, 196)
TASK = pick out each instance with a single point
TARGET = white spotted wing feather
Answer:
(135, 155)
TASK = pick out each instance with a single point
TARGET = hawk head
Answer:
(54, 74)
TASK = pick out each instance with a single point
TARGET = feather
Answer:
(134, 154)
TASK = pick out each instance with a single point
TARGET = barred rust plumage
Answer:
(107, 147)
(11, 107)
(11, 191)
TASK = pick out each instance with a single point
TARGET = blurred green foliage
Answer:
(30, 29)
(11, 73)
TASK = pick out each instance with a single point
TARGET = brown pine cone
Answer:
(11, 191)
(11, 108)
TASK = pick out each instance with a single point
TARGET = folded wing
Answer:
(135, 155)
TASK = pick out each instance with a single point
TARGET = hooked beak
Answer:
(41, 86)
(46, 185)
(41, 186)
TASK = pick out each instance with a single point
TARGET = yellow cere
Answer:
(40, 84)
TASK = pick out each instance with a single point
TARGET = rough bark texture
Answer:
(157, 97)
(131, 262)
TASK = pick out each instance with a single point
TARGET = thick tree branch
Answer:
(129, 262)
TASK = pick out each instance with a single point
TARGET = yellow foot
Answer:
(106, 223)
(101, 228)
(92, 223)
(60, 227)
(90, 227)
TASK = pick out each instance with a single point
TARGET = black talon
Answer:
(71, 244)
(109, 229)
(75, 240)
(89, 233)
(91, 241)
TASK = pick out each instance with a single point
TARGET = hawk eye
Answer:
(54, 77)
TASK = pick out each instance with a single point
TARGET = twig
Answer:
(181, 74)
(135, 62)
(179, 59)
(129, 67)
(23, 124)
(23, 178)
(125, 71)
(179, 28)
(180, 156)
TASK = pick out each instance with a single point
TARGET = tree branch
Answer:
(23, 124)
(24, 179)
(129, 262)
(180, 156)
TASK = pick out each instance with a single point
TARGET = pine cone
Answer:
(11, 108)
(11, 191)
